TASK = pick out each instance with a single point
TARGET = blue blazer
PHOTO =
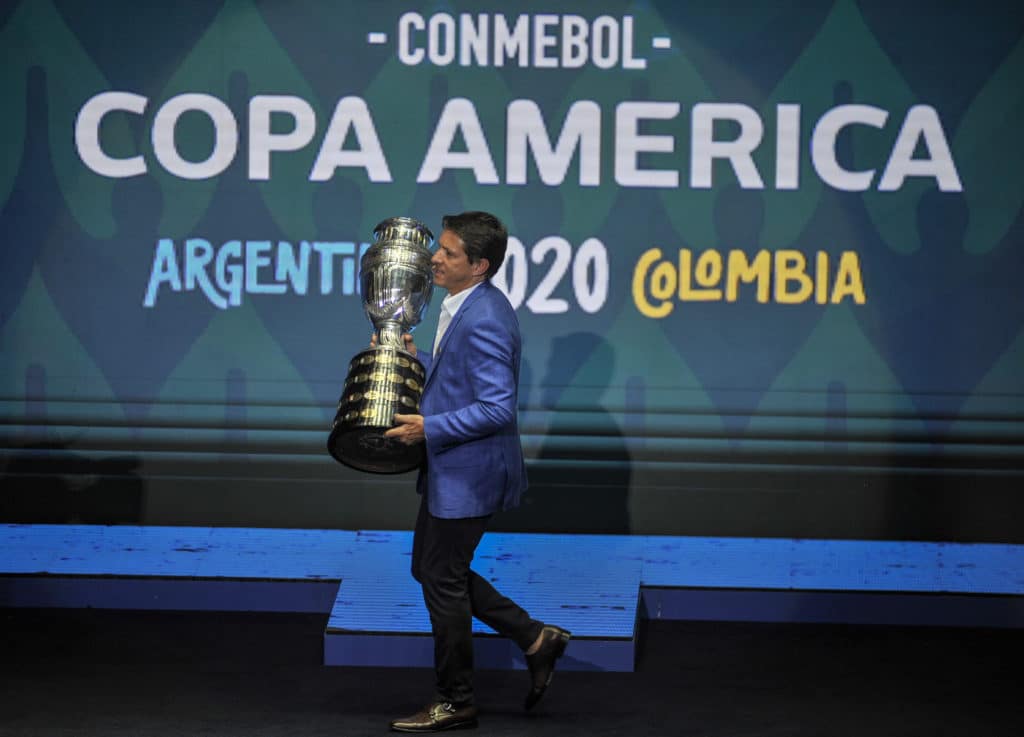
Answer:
(474, 461)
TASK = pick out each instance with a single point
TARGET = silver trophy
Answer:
(396, 282)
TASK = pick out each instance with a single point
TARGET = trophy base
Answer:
(366, 449)
(382, 382)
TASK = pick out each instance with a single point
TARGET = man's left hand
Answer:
(409, 429)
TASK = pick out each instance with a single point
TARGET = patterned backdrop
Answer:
(766, 256)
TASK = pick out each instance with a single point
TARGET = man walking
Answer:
(473, 468)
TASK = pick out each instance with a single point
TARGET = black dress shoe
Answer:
(436, 718)
(542, 663)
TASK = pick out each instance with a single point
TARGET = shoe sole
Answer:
(471, 724)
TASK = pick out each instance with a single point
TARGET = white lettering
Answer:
(512, 274)
(225, 136)
(262, 141)
(630, 144)
(628, 60)
(787, 146)
(458, 115)
(581, 130)
(541, 302)
(351, 139)
(604, 42)
(441, 39)
(473, 40)
(406, 25)
(87, 134)
(509, 43)
(541, 40)
(922, 123)
(574, 41)
(544, 39)
(589, 275)
(823, 145)
(705, 149)
(351, 112)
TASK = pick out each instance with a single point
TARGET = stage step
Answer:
(588, 584)
(594, 585)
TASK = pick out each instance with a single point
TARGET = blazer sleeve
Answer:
(490, 398)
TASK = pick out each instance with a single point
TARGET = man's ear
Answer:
(481, 267)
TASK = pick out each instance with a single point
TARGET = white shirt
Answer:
(449, 306)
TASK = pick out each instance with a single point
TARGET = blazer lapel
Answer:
(453, 327)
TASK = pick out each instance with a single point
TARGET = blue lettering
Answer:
(229, 276)
(198, 254)
(164, 271)
(327, 251)
(256, 258)
(224, 273)
(287, 268)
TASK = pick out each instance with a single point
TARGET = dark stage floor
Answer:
(85, 673)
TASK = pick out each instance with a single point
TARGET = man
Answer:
(474, 467)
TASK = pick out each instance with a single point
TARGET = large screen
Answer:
(766, 257)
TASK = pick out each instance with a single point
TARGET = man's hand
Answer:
(410, 346)
(409, 429)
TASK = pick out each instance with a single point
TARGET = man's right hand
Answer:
(410, 345)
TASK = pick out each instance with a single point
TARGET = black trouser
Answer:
(442, 551)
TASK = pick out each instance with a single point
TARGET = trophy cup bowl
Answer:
(396, 282)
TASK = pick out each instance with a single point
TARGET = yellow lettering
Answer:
(662, 284)
(849, 281)
(747, 271)
(705, 273)
(791, 266)
(782, 277)
(821, 278)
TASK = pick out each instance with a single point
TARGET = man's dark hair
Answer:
(483, 236)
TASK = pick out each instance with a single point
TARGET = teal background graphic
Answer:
(899, 418)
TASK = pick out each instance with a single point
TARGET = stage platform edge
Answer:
(600, 587)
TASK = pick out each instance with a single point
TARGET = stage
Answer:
(601, 587)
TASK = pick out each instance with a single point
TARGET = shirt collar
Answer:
(453, 302)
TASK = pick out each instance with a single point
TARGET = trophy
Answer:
(396, 282)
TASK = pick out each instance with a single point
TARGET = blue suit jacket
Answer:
(474, 461)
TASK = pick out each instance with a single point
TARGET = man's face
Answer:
(452, 269)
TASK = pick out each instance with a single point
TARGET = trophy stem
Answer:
(390, 334)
